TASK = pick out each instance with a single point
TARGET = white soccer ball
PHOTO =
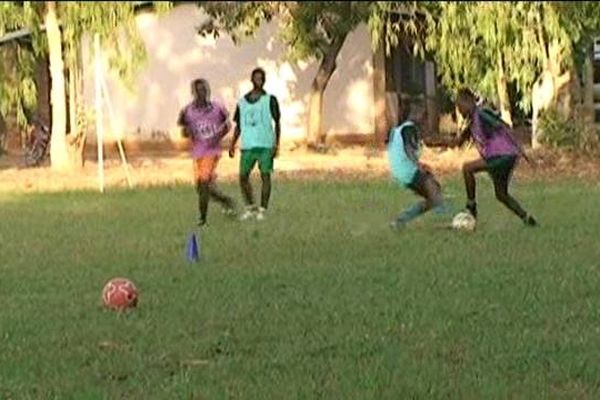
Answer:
(464, 221)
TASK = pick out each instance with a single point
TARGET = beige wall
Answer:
(176, 55)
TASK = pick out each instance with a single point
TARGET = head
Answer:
(258, 78)
(417, 112)
(201, 90)
(466, 102)
(413, 109)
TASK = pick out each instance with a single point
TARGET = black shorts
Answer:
(500, 168)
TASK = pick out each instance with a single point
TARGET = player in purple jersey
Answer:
(206, 122)
(499, 152)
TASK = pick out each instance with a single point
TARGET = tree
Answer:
(114, 22)
(531, 44)
(564, 36)
(319, 30)
(66, 25)
(474, 44)
(312, 31)
(497, 25)
(393, 24)
(17, 62)
(58, 101)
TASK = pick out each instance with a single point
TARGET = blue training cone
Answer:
(192, 251)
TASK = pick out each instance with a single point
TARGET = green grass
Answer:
(320, 301)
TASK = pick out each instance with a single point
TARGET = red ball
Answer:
(120, 294)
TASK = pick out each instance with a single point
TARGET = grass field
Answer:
(320, 301)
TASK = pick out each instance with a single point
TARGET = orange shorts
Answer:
(205, 168)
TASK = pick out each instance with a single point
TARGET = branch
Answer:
(563, 80)
(540, 34)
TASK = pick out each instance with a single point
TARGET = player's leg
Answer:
(423, 184)
(226, 201)
(433, 193)
(247, 162)
(214, 193)
(500, 170)
(469, 170)
(265, 165)
(265, 195)
(202, 174)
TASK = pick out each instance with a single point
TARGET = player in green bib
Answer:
(257, 119)
(404, 151)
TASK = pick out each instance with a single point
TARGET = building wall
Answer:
(176, 55)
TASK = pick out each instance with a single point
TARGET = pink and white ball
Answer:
(120, 294)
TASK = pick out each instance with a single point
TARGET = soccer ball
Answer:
(464, 221)
(119, 294)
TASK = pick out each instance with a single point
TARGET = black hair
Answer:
(261, 71)
(466, 94)
(411, 105)
(203, 82)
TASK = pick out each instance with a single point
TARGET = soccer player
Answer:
(255, 115)
(206, 122)
(499, 152)
(404, 149)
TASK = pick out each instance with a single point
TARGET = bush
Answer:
(567, 132)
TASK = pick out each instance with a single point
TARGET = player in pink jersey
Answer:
(206, 122)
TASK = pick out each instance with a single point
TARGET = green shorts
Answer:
(262, 155)
(501, 167)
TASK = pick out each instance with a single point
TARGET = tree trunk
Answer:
(503, 96)
(384, 115)
(433, 112)
(77, 134)
(72, 101)
(315, 136)
(3, 135)
(42, 81)
(548, 92)
(59, 156)
(588, 88)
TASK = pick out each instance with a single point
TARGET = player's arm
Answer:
(455, 141)
(517, 144)
(236, 132)
(276, 114)
(388, 136)
(182, 124)
(226, 125)
(410, 138)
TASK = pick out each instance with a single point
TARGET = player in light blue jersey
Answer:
(257, 119)
(404, 151)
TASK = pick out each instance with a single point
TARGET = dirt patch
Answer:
(171, 168)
